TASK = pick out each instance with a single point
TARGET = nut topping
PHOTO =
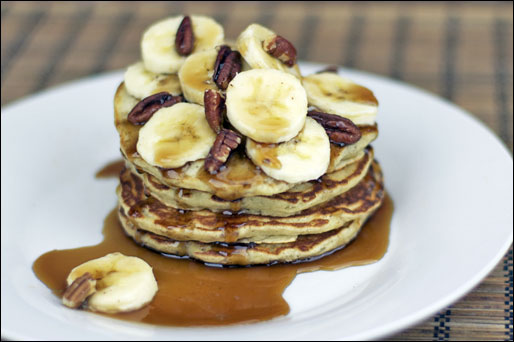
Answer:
(281, 48)
(144, 110)
(226, 141)
(185, 39)
(78, 291)
(226, 67)
(214, 106)
(339, 130)
(222, 54)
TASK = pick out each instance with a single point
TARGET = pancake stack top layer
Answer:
(233, 157)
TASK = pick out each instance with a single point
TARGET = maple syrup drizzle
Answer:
(266, 154)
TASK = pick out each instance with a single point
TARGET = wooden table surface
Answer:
(460, 51)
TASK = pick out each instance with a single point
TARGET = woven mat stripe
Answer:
(507, 267)
(79, 22)
(500, 74)
(449, 54)
(5, 10)
(441, 328)
(175, 7)
(31, 22)
(267, 13)
(353, 41)
(399, 46)
(222, 12)
(105, 53)
(309, 27)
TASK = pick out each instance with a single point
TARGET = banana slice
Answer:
(158, 43)
(142, 83)
(267, 105)
(175, 135)
(334, 94)
(250, 45)
(195, 75)
(303, 158)
(123, 283)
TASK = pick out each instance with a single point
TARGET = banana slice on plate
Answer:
(118, 283)
(266, 105)
(158, 42)
(301, 159)
(334, 94)
(141, 83)
(250, 46)
(175, 135)
(195, 75)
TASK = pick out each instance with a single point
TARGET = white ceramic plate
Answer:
(450, 179)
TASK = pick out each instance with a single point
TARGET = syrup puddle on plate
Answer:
(192, 294)
(110, 170)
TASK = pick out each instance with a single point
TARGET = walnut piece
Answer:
(214, 106)
(281, 48)
(226, 67)
(226, 141)
(143, 111)
(79, 290)
(339, 130)
(185, 38)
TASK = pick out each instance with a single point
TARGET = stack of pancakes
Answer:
(241, 216)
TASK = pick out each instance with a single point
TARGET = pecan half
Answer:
(226, 141)
(144, 110)
(78, 291)
(214, 106)
(223, 52)
(339, 130)
(185, 38)
(226, 67)
(281, 48)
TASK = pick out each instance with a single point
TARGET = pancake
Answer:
(306, 246)
(241, 178)
(340, 156)
(148, 213)
(291, 202)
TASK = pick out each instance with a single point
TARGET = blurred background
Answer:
(462, 51)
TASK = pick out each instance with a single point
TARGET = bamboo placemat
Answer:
(461, 51)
